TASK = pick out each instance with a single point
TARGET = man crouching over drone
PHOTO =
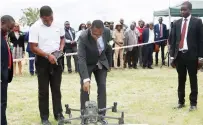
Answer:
(93, 56)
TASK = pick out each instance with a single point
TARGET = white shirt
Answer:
(48, 38)
(185, 46)
(151, 36)
(17, 35)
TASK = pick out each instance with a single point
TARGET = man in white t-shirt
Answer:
(46, 37)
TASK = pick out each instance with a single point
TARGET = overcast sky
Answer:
(78, 11)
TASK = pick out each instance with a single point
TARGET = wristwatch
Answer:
(47, 56)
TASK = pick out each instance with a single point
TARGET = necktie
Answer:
(183, 34)
(9, 55)
(161, 35)
(99, 48)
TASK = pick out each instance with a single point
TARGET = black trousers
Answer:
(147, 55)
(132, 57)
(4, 87)
(162, 46)
(48, 74)
(68, 59)
(183, 64)
(100, 77)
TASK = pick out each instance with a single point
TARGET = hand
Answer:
(199, 66)
(86, 87)
(52, 59)
(172, 63)
(72, 42)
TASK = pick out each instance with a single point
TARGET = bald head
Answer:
(7, 23)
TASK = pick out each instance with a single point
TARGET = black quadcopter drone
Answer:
(91, 114)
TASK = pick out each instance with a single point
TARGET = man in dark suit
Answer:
(92, 58)
(148, 37)
(7, 23)
(160, 34)
(70, 46)
(186, 53)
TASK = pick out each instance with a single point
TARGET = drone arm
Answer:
(104, 109)
(110, 117)
(75, 110)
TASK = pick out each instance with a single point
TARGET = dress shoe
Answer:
(135, 67)
(180, 106)
(46, 122)
(150, 67)
(103, 122)
(59, 117)
(193, 108)
(70, 71)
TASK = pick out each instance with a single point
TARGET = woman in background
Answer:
(82, 27)
(17, 39)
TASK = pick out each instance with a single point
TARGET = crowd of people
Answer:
(94, 43)
(120, 35)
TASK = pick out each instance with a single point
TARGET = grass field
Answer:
(146, 96)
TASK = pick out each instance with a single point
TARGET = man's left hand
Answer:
(200, 63)
(72, 42)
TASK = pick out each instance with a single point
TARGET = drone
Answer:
(91, 114)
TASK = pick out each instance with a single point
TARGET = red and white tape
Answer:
(71, 54)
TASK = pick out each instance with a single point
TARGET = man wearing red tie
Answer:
(160, 34)
(187, 53)
(7, 23)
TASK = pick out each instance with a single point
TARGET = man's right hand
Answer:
(86, 87)
(52, 59)
(172, 63)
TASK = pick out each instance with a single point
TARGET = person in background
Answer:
(88, 24)
(111, 27)
(17, 38)
(131, 38)
(118, 38)
(186, 53)
(140, 29)
(7, 24)
(124, 26)
(107, 24)
(46, 37)
(161, 34)
(30, 54)
(81, 28)
(148, 37)
(70, 46)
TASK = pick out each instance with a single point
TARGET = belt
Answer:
(184, 51)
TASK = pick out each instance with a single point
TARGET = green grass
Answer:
(146, 96)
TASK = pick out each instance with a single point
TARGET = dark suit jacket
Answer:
(88, 54)
(109, 48)
(20, 41)
(68, 37)
(157, 31)
(145, 35)
(194, 38)
(6, 74)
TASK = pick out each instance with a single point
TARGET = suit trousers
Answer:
(118, 52)
(31, 63)
(140, 56)
(147, 55)
(183, 64)
(48, 74)
(162, 46)
(100, 77)
(4, 87)
(132, 57)
(68, 58)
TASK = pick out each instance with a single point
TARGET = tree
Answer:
(30, 15)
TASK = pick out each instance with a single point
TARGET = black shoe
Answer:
(59, 117)
(103, 122)
(135, 67)
(32, 73)
(149, 67)
(46, 122)
(156, 64)
(193, 108)
(69, 71)
(143, 67)
(180, 106)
